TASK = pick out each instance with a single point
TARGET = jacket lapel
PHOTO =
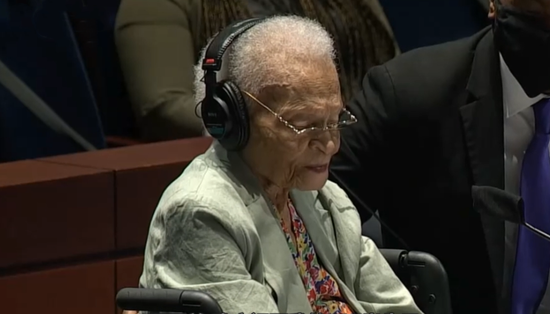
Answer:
(280, 271)
(320, 214)
(482, 118)
(316, 219)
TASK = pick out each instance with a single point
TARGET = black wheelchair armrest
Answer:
(395, 258)
(167, 300)
(424, 276)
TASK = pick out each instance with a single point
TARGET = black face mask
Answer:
(524, 43)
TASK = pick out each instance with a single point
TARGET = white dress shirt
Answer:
(519, 128)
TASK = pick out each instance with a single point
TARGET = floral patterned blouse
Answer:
(322, 290)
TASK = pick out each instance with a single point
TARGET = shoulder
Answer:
(437, 59)
(447, 54)
(428, 75)
(205, 192)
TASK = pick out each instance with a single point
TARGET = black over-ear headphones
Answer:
(223, 109)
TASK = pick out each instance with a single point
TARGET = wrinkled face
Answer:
(280, 155)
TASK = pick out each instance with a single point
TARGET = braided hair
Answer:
(361, 39)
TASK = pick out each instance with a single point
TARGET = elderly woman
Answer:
(261, 229)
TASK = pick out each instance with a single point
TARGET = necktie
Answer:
(533, 252)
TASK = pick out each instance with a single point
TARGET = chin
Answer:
(313, 182)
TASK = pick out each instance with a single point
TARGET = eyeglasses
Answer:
(346, 118)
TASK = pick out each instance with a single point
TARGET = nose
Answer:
(328, 142)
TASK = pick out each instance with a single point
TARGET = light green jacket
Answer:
(215, 231)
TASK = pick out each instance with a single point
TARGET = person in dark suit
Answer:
(437, 120)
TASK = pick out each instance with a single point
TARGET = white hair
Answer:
(258, 57)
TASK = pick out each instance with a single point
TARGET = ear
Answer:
(492, 9)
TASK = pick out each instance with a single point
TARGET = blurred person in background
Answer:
(258, 226)
(435, 121)
(159, 42)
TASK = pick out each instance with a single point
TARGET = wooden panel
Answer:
(86, 289)
(138, 193)
(139, 189)
(128, 271)
(139, 156)
(51, 211)
(142, 174)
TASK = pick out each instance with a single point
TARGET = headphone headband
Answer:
(219, 44)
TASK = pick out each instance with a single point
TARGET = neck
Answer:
(277, 195)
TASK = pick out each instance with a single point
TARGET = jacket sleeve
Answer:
(195, 248)
(156, 51)
(361, 167)
(378, 285)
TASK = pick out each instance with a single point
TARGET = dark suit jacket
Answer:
(431, 126)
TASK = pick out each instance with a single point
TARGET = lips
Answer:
(318, 168)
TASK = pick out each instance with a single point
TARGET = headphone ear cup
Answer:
(216, 117)
(238, 138)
